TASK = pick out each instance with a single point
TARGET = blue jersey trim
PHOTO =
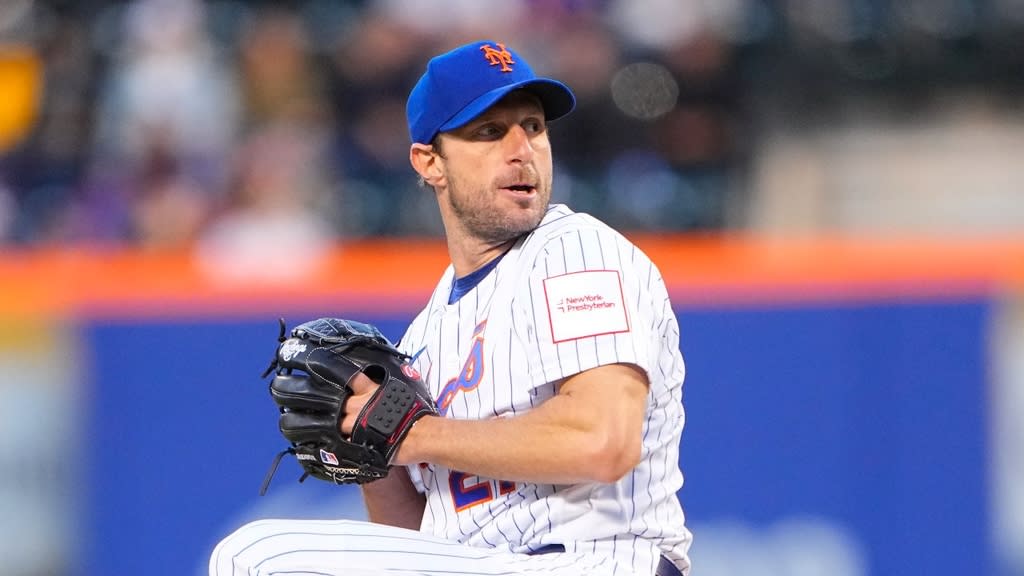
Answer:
(463, 285)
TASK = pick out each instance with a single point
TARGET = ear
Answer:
(427, 163)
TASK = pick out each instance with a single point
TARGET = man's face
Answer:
(498, 170)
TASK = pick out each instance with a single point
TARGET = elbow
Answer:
(612, 460)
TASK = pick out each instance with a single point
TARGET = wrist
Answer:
(409, 451)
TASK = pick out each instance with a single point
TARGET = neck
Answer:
(468, 255)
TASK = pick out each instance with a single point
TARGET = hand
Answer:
(362, 390)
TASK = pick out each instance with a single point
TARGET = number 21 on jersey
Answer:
(468, 490)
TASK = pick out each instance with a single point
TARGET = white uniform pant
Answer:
(354, 548)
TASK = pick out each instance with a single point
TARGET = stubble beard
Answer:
(482, 218)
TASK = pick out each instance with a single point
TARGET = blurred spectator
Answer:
(44, 83)
(585, 56)
(168, 86)
(455, 20)
(279, 80)
(169, 99)
(373, 68)
(171, 205)
(275, 211)
(653, 24)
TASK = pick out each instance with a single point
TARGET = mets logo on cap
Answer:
(500, 57)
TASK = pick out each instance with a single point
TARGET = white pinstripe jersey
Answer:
(572, 295)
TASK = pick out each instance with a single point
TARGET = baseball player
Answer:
(551, 350)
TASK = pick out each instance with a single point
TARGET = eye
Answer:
(534, 125)
(488, 131)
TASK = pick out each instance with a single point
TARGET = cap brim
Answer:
(556, 98)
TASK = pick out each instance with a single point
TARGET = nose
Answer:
(517, 145)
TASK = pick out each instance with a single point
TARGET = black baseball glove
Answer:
(312, 370)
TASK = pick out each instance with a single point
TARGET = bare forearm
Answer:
(548, 445)
(394, 500)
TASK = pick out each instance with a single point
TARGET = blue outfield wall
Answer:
(869, 416)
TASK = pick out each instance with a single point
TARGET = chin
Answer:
(531, 218)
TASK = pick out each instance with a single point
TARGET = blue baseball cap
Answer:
(460, 85)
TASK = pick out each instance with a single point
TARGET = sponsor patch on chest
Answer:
(582, 304)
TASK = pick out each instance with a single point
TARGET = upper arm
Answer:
(611, 393)
(608, 383)
(610, 402)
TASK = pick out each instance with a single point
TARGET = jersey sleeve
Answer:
(587, 303)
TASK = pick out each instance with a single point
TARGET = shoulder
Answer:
(560, 219)
(578, 236)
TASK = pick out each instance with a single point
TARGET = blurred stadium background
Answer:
(834, 190)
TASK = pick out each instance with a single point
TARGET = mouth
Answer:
(520, 189)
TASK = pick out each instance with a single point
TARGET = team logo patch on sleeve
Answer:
(582, 304)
